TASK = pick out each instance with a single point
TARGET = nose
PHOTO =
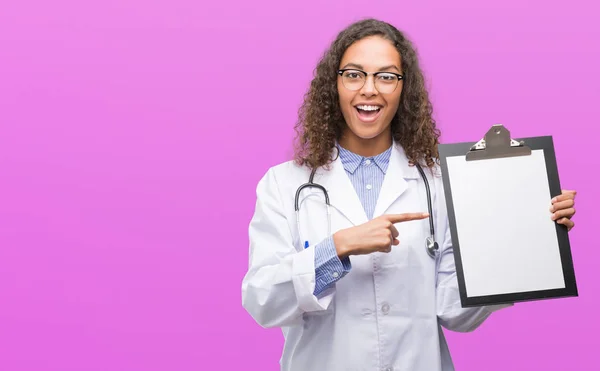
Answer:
(368, 88)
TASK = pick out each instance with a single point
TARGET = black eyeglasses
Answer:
(385, 82)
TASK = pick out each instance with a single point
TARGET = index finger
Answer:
(399, 218)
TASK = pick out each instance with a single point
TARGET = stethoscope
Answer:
(430, 244)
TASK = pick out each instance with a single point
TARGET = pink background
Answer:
(133, 134)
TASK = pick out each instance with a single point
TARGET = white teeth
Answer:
(368, 108)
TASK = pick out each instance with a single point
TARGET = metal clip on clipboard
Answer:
(497, 144)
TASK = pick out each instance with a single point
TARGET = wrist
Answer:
(340, 246)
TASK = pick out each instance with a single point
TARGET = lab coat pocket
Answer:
(314, 222)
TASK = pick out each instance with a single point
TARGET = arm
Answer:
(279, 285)
(328, 266)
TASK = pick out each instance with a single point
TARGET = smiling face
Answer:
(369, 110)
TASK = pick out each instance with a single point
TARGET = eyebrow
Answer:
(354, 65)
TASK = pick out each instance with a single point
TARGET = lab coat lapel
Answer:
(394, 182)
(342, 194)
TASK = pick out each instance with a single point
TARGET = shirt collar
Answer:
(352, 161)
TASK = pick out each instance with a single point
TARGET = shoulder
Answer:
(285, 170)
(283, 176)
(435, 172)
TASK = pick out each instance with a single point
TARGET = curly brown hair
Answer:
(320, 121)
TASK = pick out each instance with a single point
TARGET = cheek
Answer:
(344, 98)
(393, 104)
(345, 101)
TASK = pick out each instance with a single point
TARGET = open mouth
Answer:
(368, 112)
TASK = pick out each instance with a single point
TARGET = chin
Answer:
(369, 135)
(367, 132)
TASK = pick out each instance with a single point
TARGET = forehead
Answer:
(372, 53)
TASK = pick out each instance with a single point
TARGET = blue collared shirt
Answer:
(366, 175)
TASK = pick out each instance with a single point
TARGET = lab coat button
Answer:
(385, 308)
(336, 274)
(368, 162)
(369, 186)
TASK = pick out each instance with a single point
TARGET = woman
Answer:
(361, 293)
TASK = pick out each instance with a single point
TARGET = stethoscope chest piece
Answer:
(432, 247)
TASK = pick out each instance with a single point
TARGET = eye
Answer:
(353, 75)
(387, 77)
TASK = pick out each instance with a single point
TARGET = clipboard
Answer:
(498, 196)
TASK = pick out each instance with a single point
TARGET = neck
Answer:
(367, 147)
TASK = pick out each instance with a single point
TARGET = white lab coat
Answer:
(387, 313)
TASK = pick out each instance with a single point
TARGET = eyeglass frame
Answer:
(341, 73)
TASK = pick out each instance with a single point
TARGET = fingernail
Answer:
(553, 216)
(425, 215)
(552, 209)
(554, 200)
